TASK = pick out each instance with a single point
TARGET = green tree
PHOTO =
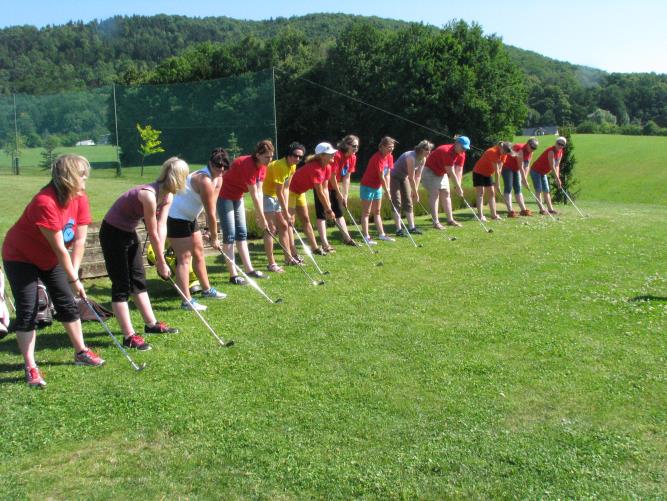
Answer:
(233, 147)
(149, 144)
(13, 147)
(49, 155)
(567, 165)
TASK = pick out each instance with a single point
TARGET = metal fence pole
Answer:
(275, 115)
(115, 116)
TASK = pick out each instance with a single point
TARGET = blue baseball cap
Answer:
(464, 141)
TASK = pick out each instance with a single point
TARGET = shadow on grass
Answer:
(645, 298)
(4, 368)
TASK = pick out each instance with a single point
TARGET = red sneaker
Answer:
(34, 378)
(88, 357)
(137, 342)
(526, 212)
(512, 214)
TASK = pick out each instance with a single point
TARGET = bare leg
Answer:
(26, 342)
(365, 215)
(183, 248)
(198, 262)
(433, 196)
(228, 249)
(268, 239)
(121, 311)
(491, 191)
(244, 253)
(508, 201)
(410, 216)
(446, 202)
(520, 201)
(343, 227)
(376, 207)
(547, 198)
(75, 334)
(479, 192)
(143, 304)
(302, 214)
(322, 230)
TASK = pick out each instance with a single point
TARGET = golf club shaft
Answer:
(572, 202)
(476, 216)
(307, 249)
(288, 254)
(178, 289)
(401, 223)
(539, 204)
(106, 328)
(251, 281)
(376, 263)
(359, 230)
(449, 237)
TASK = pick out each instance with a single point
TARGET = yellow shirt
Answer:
(277, 173)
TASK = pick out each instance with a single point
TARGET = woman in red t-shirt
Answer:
(374, 180)
(514, 174)
(35, 248)
(548, 161)
(488, 166)
(312, 176)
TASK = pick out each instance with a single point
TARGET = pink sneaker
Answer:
(34, 378)
(88, 357)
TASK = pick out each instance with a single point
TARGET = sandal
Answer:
(237, 280)
(438, 226)
(320, 251)
(256, 274)
(351, 243)
(275, 268)
(454, 223)
(329, 249)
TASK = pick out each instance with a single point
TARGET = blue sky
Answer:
(611, 35)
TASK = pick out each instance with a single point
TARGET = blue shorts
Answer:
(271, 204)
(367, 193)
(511, 180)
(540, 182)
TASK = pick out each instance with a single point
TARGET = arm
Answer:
(345, 180)
(208, 192)
(555, 168)
(324, 198)
(55, 240)
(78, 247)
(282, 193)
(450, 171)
(499, 168)
(523, 167)
(385, 185)
(414, 185)
(156, 229)
(255, 191)
(336, 188)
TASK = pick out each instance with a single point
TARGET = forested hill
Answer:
(132, 49)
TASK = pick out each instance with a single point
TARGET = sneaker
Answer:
(351, 243)
(160, 328)
(526, 212)
(137, 342)
(415, 231)
(399, 233)
(385, 238)
(237, 280)
(512, 214)
(330, 249)
(370, 241)
(193, 304)
(213, 293)
(88, 357)
(483, 219)
(257, 274)
(553, 212)
(34, 378)
(454, 223)
(544, 213)
(320, 251)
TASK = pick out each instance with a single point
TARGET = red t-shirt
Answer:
(486, 165)
(305, 178)
(343, 165)
(25, 243)
(512, 163)
(242, 173)
(443, 156)
(377, 167)
(541, 165)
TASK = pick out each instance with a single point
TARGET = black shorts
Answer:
(125, 265)
(180, 228)
(335, 205)
(480, 180)
(22, 278)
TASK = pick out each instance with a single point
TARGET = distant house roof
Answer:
(544, 130)
(85, 142)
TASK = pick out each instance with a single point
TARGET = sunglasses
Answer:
(560, 144)
(296, 156)
(353, 145)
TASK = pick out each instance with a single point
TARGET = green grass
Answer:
(528, 363)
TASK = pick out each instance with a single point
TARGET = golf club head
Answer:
(451, 239)
(228, 343)
(490, 230)
(139, 368)
(321, 282)
(376, 252)
(278, 301)
(326, 272)
(379, 263)
(420, 245)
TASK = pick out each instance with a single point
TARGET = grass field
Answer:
(528, 363)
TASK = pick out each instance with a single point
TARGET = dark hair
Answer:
(295, 146)
(505, 146)
(263, 146)
(346, 141)
(219, 158)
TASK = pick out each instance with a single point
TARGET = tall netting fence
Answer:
(101, 123)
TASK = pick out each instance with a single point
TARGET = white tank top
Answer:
(187, 204)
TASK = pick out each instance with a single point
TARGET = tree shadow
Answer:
(648, 297)
(104, 165)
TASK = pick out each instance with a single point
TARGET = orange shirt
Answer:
(486, 165)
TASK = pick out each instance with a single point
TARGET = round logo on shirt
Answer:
(68, 231)
(344, 170)
(386, 170)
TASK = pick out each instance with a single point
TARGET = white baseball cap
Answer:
(324, 148)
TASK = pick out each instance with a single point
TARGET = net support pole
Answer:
(275, 114)
(115, 117)
(15, 163)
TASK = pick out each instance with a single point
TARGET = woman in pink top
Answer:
(123, 251)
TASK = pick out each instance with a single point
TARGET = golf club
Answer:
(401, 223)
(308, 251)
(310, 279)
(120, 346)
(488, 230)
(451, 238)
(376, 263)
(360, 232)
(539, 204)
(250, 280)
(572, 202)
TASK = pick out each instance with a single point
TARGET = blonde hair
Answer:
(505, 146)
(346, 141)
(173, 174)
(424, 145)
(386, 141)
(66, 176)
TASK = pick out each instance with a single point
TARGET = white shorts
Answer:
(433, 182)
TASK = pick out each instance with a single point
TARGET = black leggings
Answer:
(335, 205)
(125, 265)
(22, 278)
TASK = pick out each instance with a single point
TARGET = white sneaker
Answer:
(385, 238)
(193, 305)
(370, 241)
(213, 293)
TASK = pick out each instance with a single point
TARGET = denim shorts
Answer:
(271, 204)
(511, 180)
(540, 182)
(232, 220)
(367, 193)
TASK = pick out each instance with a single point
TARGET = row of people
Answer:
(36, 247)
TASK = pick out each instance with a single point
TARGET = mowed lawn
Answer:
(526, 363)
